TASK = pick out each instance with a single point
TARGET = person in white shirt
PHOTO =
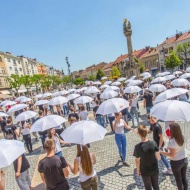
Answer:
(83, 114)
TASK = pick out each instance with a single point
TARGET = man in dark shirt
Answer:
(147, 100)
(98, 117)
(21, 167)
(53, 169)
(158, 138)
(3, 124)
(10, 130)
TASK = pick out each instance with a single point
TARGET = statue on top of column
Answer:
(126, 26)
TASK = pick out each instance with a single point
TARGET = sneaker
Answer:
(126, 164)
(167, 172)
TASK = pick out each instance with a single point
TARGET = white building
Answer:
(29, 66)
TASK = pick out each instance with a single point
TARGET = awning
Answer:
(4, 92)
(4, 96)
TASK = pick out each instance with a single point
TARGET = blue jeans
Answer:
(107, 119)
(134, 112)
(100, 120)
(66, 109)
(164, 160)
(148, 109)
(60, 154)
(122, 145)
(111, 119)
(43, 138)
(88, 106)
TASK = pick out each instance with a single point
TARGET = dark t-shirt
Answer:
(157, 130)
(148, 162)
(24, 166)
(3, 124)
(74, 115)
(148, 98)
(52, 168)
(95, 109)
(9, 130)
(41, 107)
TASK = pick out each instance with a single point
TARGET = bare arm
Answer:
(144, 102)
(93, 158)
(74, 169)
(137, 162)
(114, 125)
(66, 172)
(19, 166)
(171, 153)
(127, 126)
(2, 182)
(43, 178)
(157, 154)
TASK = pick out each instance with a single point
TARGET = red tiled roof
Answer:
(109, 65)
(150, 52)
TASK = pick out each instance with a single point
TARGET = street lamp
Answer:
(68, 65)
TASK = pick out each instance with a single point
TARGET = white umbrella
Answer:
(112, 88)
(116, 83)
(2, 114)
(8, 103)
(58, 101)
(157, 88)
(71, 90)
(180, 82)
(19, 98)
(91, 90)
(47, 122)
(188, 70)
(63, 92)
(135, 82)
(108, 94)
(128, 80)
(84, 88)
(166, 73)
(177, 73)
(169, 77)
(23, 100)
(38, 96)
(97, 83)
(121, 79)
(47, 94)
(132, 78)
(158, 79)
(132, 89)
(113, 105)
(104, 86)
(26, 115)
(10, 150)
(72, 96)
(171, 110)
(83, 132)
(108, 82)
(83, 100)
(146, 75)
(104, 78)
(41, 102)
(160, 74)
(17, 107)
(170, 93)
(185, 75)
(55, 94)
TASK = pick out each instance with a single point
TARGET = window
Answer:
(26, 64)
(18, 62)
(32, 71)
(2, 70)
(10, 68)
(8, 60)
(20, 69)
(165, 51)
(16, 69)
(5, 82)
(14, 62)
(171, 49)
(32, 66)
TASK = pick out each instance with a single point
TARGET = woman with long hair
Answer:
(118, 126)
(57, 141)
(83, 114)
(178, 157)
(84, 164)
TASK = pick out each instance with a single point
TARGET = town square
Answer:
(95, 95)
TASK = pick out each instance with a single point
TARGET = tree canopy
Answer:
(142, 67)
(99, 74)
(115, 72)
(78, 81)
(91, 77)
(172, 60)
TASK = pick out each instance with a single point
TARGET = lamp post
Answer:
(68, 65)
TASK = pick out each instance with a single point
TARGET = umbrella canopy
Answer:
(97, 83)
(19, 98)
(170, 93)
(10, 150)
(47, 94)
(83, 132)
(185, 75)
(171, 110)
(166, 73)
(180, 82)
(58, 101)
(8, 103)
(160, 74)
(83, 100)
(41, 102)
(188, 70)
(112, 88)
(132, 89)
(26, 115)
(157, 88)
(47, 122)
(128, 80)
(38, 96)
(72, 96)
(132, 78)
(84, 88)
(108, 82)
(104, 86)
(104, 78)
(55, 94)
(91, 90)
(17, 107)
(116, 83)
(71, 90)
(2, 114)
(135, 82)
(169, 77)
(63, 92)
(23, 100)
(146, 75)
(108, 94)
(113, 105)
(177, 73)
(158, 79)
(121, 79)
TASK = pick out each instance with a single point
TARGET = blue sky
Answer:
(87, 31)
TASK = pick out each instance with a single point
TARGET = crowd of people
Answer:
(54, 168)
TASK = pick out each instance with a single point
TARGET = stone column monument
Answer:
(128, 33)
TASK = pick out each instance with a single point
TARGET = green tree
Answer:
(56, 81)
(15, 81)
(78, 81)
(182, 51)
(142, 67)
(36, 80)
(27, 82)
(46, 82)
(115, 73)
(66, 80)
(91, 77)
(172, 60)
(99, 74)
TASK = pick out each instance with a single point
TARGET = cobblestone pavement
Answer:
(111, 172)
